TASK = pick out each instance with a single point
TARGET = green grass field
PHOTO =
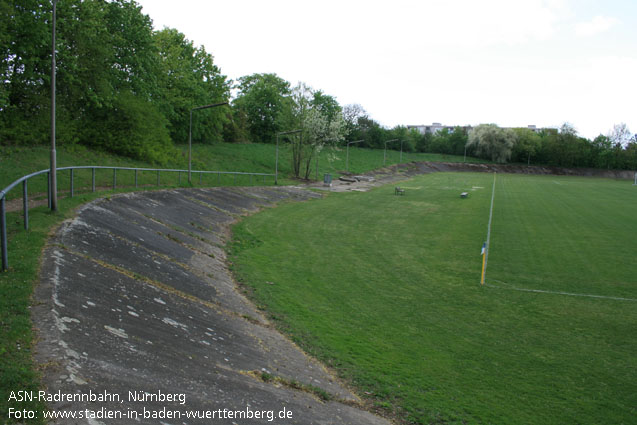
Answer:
(385, 289)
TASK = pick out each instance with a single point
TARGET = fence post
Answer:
(71, 182)
(25, 204)
(3, 236)
(179, 173)
(114, 178)
(93, 180)
(200, 174)
(218, 178)
(157, 177)
(135, 178)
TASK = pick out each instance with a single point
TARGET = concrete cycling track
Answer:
(135, 297)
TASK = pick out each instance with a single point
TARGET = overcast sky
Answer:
(457, 62)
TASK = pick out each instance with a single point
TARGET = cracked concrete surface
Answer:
(135, 297)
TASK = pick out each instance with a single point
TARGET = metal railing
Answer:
(25, 197)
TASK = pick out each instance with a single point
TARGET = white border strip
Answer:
(486, 255)
(571, 294)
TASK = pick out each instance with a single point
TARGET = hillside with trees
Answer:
(124, 88)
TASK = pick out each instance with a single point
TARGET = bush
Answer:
(132, 127)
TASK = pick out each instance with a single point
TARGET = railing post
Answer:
(114, 178)
(157, 177)
(93, 180)
(25, 204)
(250, 179)
(200, 174)
(235, 179)
(179, 173)
(135, 178)
(71, 182)
(48, 187)
(3, 236)
(218, 178)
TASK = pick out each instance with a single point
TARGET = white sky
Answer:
(457, 62)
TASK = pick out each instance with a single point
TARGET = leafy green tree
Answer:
(458, 140)
(187, 79)
(351, 114)
(601, 149)
(527, 144)
(440, 142)
(492, 142)
(424, 143)
(326, 104)
(263, 100)
(371, 132)
(132, 127)
(25, 44)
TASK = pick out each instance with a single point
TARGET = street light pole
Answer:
(401, 151)
(190, 136)
(347, 157)
(53, 170)
(276, 161)
(385, 153)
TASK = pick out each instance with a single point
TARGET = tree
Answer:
(322, 126)
(133, 127)
(326, 104)
(263, 100)
(318, 132)
(527, 144)
(351, 114)
(620, 134)
(25, 44)
(492, 142)
(188, 78)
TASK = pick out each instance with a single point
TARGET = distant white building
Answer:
(436, 127)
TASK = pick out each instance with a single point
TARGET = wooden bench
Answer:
(464, 194)
(399, 191)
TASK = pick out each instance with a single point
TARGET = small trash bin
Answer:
(327, 179)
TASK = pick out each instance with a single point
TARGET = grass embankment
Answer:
(16, 162)
(16, 368)
(385, 289)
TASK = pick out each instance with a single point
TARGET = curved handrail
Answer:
(25, 179)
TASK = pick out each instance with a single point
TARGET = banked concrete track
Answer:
(136, 304)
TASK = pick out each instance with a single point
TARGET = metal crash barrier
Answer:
(25, 197)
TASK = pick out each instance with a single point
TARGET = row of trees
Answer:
(120, 85)
(128, 89)
(553, 147)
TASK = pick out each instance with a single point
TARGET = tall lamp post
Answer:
(190, 135)
(276, 161)
(53, 170)
(401, 151)
(385, 153)
(347, 157)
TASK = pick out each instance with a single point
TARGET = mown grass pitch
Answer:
(386, 290)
